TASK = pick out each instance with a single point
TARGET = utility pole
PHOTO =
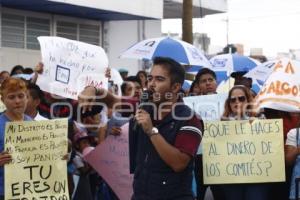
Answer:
(187, 21)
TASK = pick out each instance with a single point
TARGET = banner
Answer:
(281, 91)
(37, 170)
(209, 107)
(111, 160)
(70, 66)
(243, 152)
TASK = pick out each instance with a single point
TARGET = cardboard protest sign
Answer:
(281, 91)
(243, 152)
(37, 170)
(111, 160)
(209, 107)
(70, 65)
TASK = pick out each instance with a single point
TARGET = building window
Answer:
(13, 29)
(22, 30)
(66, 30)
(83, 32)
(89, 34)
(36, 27)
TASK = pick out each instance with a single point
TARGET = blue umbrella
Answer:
(232, 63)
(186, 85)
(221, 75)
(178, 50)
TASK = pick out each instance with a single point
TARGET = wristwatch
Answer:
(154, 131)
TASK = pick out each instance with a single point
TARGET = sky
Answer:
(273, 25)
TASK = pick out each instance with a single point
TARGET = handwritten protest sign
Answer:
(209, 107)
(281, 90)
(70, 65)
(37, 170)
(243, 152)
(111, 160)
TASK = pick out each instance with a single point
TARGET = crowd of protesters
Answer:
(163, 150)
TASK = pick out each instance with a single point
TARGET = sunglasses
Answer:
(239, 98)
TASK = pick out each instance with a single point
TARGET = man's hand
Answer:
(108, 73)
(115, 130)
(143, 118)
(39, 68)
(5, 158)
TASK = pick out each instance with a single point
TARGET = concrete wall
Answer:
(10, 57)
(122, 34)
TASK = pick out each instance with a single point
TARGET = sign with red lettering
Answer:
(70, 66)
(281, 90)
(37, 170)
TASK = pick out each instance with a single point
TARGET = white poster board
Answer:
(70, 65)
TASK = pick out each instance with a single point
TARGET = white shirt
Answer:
(39, 117)
(292, 137)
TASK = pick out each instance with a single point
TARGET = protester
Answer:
(169, 148)
(290, 121)
(83, 188)
(3, 75)
(142, 75)
(132, 87)
(14, 96)
(35, 96)
(238, 107)
(194, 89)
(124, 73)
(162, 146)
(292, 152)
(18, 69)
(207, 81)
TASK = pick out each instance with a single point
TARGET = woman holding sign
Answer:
(238, 107)
(14, 96)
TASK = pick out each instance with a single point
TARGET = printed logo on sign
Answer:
(195, 53)
(221, 62)
(62, 74)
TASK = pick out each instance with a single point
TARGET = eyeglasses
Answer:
(239, 98)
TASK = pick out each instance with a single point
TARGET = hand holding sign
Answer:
(5, 158)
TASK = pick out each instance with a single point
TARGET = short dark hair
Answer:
(35, 91)
(176, 71)
(16, 68)
(204, 71)
(28, 70)
(129, 79)
(133, 79)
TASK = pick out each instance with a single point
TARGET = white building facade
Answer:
(115, 25)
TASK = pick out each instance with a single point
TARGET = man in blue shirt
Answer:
(13, 93)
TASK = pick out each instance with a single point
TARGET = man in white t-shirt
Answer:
(34, 98)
